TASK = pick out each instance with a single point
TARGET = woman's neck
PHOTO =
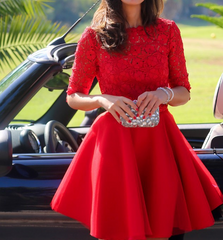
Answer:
(133, 15)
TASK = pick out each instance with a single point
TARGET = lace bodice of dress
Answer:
(153, 59)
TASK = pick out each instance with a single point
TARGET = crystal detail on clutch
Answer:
(140, 121)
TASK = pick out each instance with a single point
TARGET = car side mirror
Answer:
(218, 99)
(59, 82)
(5, 152)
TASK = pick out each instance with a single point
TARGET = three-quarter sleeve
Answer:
(84, 68)
(178, 75)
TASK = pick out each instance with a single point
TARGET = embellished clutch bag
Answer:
(140, 121)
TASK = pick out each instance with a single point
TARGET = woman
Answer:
(134, 183)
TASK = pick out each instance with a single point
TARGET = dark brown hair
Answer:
(110, 24)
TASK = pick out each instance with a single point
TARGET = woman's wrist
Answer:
(100, 99)
(169, 94)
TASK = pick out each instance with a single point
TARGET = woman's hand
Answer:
(117, 106)
(150, 101)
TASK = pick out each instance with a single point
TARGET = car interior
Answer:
(214, 138)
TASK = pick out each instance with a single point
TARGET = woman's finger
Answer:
(141, 98)
(151, 110)
(130, 103)
(120, 108)
(122, 114)
(145, 103)
(125, 105)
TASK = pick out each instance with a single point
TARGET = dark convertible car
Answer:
(36, 146)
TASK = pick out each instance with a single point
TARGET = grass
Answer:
(204, 55)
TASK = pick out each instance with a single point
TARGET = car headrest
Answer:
(218, 99)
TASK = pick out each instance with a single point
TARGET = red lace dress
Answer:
(133, 183)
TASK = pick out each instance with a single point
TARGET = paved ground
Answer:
(213, 233)
(30, 226)
(51, 233)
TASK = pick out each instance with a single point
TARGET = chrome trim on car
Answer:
(209, 151)
(43, 155)
(59, 155)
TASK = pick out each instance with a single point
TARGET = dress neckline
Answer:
(134, 28)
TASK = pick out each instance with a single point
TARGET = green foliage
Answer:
(213, 7)
(217, 20)
(21, 35)
(21, 7)
(23, 29)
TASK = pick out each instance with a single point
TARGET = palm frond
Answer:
(32, 8)
(11, 7)
(21, 35)
(213, 7)
(36, 7)
(218, 21)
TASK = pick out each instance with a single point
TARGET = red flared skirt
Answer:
(133, 183)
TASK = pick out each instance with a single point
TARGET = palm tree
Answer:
(217, 20)
(24, 29)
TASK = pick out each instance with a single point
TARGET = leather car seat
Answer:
(214, 138)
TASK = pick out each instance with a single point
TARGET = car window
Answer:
(12, 76)
(37, 106)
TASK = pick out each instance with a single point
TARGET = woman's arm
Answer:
(116, 105)
(83, 101)
(181, 96)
